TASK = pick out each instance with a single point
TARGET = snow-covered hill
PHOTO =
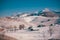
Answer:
(45, 26)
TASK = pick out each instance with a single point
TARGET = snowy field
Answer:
(26, 35)
(41, 34)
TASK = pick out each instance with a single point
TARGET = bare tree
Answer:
(50, 30)
(21, 26)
